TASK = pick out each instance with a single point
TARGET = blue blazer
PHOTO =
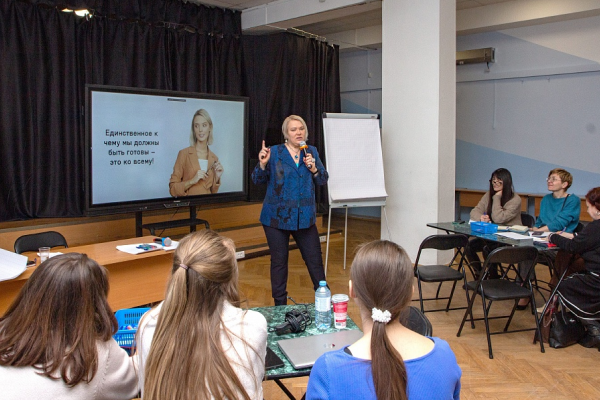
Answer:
(290, 200)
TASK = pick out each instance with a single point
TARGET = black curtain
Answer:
(289, 74)
(41, 141)
(48, 57)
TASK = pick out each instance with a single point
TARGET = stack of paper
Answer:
(11, 264)
(140, 248)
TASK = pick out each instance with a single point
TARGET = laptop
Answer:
(302, 352)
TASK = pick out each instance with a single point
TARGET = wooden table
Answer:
(134, 279)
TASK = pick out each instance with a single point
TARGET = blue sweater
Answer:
(559, 214)
(338, 375)
(290, 200)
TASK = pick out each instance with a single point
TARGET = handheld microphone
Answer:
(163, 241)
(304, 146)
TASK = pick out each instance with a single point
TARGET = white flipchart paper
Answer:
(354, 160)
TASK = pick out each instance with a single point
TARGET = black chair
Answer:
(474, 262)
(504, 288)
(441, 273)
(412, 318)
(546, 257)
(527, 219)
(43, 239)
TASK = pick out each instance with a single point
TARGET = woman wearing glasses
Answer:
(559, 211)
(500, 205)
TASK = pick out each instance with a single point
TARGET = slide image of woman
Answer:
(197, 169)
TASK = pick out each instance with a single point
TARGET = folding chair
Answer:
(34, 241)
(503, 288)
(412, 318)
(441, 273)
(527, 219)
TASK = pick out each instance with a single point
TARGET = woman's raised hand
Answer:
(264, 155)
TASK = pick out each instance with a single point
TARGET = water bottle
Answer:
(323, 306)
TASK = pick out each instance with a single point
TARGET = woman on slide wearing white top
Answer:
(197, 170)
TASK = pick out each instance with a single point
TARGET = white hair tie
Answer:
(381, 316)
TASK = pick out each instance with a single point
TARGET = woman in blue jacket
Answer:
(291, 173)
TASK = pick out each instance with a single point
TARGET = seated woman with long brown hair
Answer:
(56, 337)
(390, 362)
(198, 343)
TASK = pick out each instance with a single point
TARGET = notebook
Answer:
(302, 352)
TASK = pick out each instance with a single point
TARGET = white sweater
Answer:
(248, 364)
(115, 379)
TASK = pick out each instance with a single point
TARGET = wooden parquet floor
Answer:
(518, 371)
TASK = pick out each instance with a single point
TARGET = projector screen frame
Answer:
(158, 203)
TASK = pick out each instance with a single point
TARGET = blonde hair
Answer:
(202, 113)
(186, 359)
(284, 127)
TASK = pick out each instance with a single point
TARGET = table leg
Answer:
(285, 390)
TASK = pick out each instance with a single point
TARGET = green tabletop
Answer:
(465, 229)
(275, 315)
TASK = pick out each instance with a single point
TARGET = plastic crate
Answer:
(128, 316)
(484, 227)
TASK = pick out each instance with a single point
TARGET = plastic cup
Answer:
(340, 309)
(44, 253)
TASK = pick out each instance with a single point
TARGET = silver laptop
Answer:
(304, 351)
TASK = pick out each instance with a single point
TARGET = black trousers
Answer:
(310, 248)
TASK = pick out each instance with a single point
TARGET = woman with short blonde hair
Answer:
(198, 343)
(291, 171)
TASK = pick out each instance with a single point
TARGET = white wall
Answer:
(538, 106)
(360, 87)
(535, 109)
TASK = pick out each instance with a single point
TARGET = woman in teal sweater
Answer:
(559, 210)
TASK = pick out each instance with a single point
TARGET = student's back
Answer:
(390, 362)
(435, 375)
(198, 343)
(56, 338)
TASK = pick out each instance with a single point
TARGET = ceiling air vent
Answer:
(476, 56)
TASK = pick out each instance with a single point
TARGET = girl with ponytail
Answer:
(390, 362)
(198, 343)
